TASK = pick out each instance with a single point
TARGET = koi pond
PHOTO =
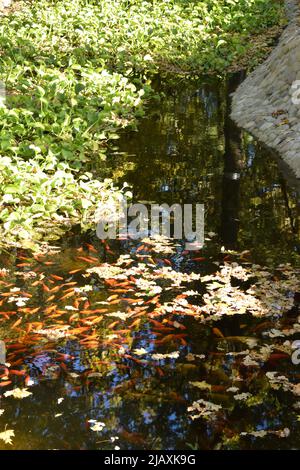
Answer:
(144, 345)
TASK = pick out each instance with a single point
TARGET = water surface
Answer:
(186, 150)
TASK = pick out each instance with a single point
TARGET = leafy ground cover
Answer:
(78, 72)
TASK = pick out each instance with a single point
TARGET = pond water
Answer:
(145, 352)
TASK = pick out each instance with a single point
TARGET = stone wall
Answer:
(267, 103)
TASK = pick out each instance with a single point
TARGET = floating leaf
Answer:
(19, 393)
(140, 351)
(202, 385)
(7, 435)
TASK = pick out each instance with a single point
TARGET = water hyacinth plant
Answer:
(77, 72)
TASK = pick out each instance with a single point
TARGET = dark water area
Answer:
(122, 364)
(187, 150)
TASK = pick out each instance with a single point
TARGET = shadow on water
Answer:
(186, 150)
